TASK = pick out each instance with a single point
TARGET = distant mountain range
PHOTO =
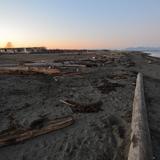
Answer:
(144, 49)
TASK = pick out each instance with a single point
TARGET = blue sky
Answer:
(80, 23)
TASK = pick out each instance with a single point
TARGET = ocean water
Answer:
(154, 53)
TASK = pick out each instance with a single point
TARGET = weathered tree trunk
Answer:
(17, 136)
(28, 70)
(140, 147)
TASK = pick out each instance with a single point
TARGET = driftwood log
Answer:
(19, 135)
(29, 70)
(140, 147)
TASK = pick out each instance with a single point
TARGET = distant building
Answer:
(23, 50)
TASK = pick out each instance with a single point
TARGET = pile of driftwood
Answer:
(83, 108)
(38, 127)
(106, 86)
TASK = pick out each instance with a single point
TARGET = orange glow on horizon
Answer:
(64, 45)
(60, 45)
(72, 44)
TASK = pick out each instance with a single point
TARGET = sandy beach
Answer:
(105, 78)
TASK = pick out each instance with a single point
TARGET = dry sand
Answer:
(93, 136)
(152, 92)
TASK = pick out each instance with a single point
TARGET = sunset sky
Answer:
(80, 23)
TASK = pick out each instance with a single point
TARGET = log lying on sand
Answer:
(83, 108)
(140, 147)
(50, 71)
(28, 70)
(43, 127)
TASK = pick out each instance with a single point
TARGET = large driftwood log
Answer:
(16, 136)
(140, 147)
(28, 70)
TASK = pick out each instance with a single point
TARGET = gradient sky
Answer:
(80, 23)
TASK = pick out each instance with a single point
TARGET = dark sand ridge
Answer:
(101, 135)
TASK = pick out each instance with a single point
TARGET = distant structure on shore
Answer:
(34, 50)
(10, 49)
(28, 50)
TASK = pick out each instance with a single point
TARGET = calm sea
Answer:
(154, 53)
